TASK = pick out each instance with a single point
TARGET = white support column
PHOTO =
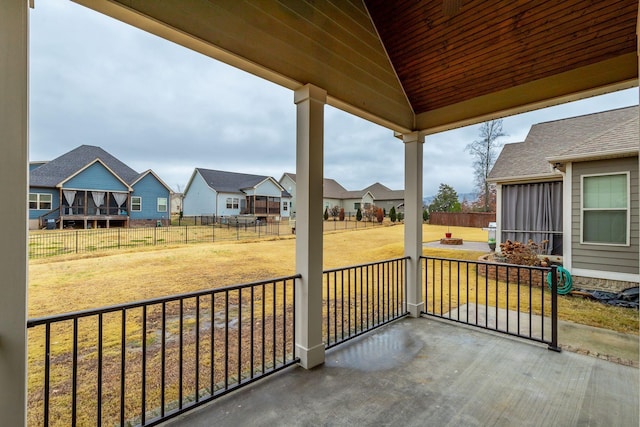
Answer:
(413, 147)
(14, 78)
(498, 216)
(310, 101)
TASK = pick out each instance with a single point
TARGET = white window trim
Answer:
(628, 209)
(39, 201)
(158, 204)
(132, 204)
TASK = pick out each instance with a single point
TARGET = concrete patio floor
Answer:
(429, 372)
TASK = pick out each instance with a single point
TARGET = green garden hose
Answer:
(565, 283)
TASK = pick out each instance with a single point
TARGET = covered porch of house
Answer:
(428, 372)
(414, 67)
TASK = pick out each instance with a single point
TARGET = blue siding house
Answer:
(89, 188)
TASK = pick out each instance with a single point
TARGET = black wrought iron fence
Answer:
(45, 243)
(512, 299)
(144, 362)
(360, 298)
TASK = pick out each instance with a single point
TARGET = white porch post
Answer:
(310, 102)
(413, 147)
(14, 66)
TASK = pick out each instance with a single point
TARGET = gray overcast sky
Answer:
(156, 105)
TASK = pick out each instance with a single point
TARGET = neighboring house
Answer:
(88, 188)
(176, 203)
(223, 194)
(386, 198)
(335, 194)
(574, 182)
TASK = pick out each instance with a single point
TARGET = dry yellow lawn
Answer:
(75, 282)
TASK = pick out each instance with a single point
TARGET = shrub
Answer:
(425, 215)
(523, 254)
(326, 213)
(379, 215)
(359, 215)
(392, 214)
(341, 214)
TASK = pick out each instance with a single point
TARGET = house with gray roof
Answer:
(88, 188)
(574, 182)
(228, 194)
(335, 194)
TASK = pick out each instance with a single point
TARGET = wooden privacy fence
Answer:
(461, 219)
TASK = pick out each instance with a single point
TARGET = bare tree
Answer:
(485, 152)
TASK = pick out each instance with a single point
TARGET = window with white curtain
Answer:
(605, 209)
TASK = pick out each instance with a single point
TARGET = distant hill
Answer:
(470, 197)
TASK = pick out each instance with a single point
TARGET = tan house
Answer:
(574, 182)
(334, 194)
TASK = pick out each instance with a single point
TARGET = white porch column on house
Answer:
(413, 147)
(14, 68)
(310, 102)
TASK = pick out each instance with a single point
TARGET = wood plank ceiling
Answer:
(484, 47)
(425, 65)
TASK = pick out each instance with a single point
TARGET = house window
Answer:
(40, 201)
(233, 203)
(356, 206)
(605, 209)
(285, 206)
(162, 204)
(136, 203)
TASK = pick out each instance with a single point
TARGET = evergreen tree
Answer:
(359, 215)
(446, 200)
(392, 214)
(326, 213)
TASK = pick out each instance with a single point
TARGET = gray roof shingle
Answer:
(230, 182)
(592, 135)
(61, 168)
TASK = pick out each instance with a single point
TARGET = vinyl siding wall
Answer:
(200, 199)
(618, 259)
(288, 184)
(55, 201)
(149, 188)
(95, 177)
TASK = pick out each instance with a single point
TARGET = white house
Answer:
(220, 193)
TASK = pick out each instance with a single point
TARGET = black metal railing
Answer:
(144, 362)
(511, 299)
(360, 298)
(59, 242)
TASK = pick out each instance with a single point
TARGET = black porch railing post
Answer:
(554, 309)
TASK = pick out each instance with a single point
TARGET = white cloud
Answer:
(156, 105)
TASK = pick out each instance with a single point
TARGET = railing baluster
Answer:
(123, 355)
(163, 361)
(180, 353)
(74, 384)
(143, 386)
(239, 335)
(197, 349)
(99, 379)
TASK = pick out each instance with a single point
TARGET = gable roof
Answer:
(231, 182)
(331, 189)
(593, 135)
(150, 172)
(621, 140)
(382, 192)
(62, 168)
